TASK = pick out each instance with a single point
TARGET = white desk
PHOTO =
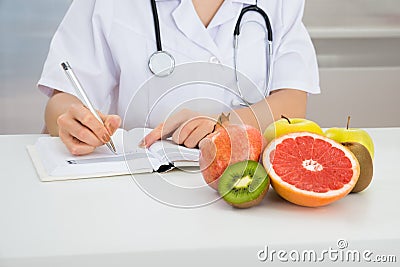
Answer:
(112, 222)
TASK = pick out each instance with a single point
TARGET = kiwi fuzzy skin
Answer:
(366, 165)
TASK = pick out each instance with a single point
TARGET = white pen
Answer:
(83, 96)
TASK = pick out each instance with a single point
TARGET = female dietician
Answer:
(114, 47)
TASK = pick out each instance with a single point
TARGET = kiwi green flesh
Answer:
(366, 165)
(243, 182)
(253, 202)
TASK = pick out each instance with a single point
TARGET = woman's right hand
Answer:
(81, 132)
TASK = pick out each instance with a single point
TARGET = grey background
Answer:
(357, 42)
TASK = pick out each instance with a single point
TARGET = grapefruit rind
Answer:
(303, 197)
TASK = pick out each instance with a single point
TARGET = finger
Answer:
(176, 120)
(201, 130)
(155, 135)
(198, 134)
(166, 128)
(181, 134)
(75, 146)
(86, 118)
(186, 129)
(162, 131)
(112, 123)
(83, 134)
(71, 126)
(68, 124)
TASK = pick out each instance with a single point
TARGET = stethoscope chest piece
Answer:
(161, 63)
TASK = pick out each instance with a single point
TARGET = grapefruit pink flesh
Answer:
(310, 170)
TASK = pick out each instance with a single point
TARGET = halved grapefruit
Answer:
(309, 169)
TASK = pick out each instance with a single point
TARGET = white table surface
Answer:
(112, 222)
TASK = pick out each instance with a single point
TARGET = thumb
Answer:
(111, 122)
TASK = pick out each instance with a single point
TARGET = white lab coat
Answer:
(108, 44)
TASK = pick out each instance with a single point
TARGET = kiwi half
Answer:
(244, 184)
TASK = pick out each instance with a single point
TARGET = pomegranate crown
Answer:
(223, 119)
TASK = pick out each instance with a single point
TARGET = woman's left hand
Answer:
(186, 127)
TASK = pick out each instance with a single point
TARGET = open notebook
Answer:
(53, 161)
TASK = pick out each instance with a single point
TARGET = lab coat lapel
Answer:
(226, 18)
(225, 13)
(188, 22)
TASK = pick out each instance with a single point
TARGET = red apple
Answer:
(228, 144)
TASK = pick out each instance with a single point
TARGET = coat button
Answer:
(214, 60)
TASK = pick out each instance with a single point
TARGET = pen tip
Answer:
(113, 147)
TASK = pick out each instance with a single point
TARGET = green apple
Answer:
(342, 135)
(286, 125)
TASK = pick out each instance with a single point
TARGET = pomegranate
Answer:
(226, 145)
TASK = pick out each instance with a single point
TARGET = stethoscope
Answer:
(162, 64)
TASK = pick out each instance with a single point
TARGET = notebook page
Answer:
(168, 151)
(56, 159)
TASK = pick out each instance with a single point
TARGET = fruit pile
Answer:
(303, 164)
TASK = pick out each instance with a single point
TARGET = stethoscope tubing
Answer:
(156, 25)
(268, 52)
(260, 11)
(236, 33)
